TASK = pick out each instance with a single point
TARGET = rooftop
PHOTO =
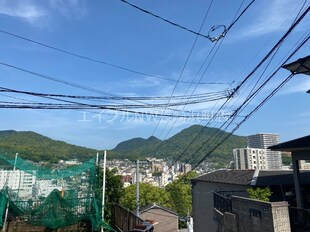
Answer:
(155, 206)
(253, 178)
(300, 144)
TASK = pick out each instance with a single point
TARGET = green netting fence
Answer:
(73, 203)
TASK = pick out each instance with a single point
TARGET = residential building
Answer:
(19, 181)
(263, 141)
(250, 158)
(304, 165)
(236, 182)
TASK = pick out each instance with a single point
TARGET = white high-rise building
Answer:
(263, 141)
(18, 181)
(250, 158)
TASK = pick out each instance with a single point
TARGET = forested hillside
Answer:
(36, 147)
(176, 146)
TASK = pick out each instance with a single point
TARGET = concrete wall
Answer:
(202, 193)
(226, 222)
(167, 222)
(260, 216)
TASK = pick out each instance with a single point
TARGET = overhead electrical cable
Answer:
(100, 61)
(132, 98)
(254, 70)
(210, 120)
(80, 105)
(299, 12)
(238, 18)
(256, 108)
(212, 39)
(235, 19)
(165, 20)
(185, 64)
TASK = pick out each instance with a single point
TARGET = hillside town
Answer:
(155, 116)
(258, 165)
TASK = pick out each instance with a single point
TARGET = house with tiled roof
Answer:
(163, 219)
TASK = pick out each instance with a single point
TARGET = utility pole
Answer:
(103, 186)
(138, 187)
(8, 203)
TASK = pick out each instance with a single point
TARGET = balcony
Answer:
(299, 219)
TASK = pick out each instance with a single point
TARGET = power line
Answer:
(131, 98)
(79, 105)
(198, 135)
(165, 20)
(233, 22)
(100, 61)
(296, 22)
(212, 39)
(257, 107)
(186, 61)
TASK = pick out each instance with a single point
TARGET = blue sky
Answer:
(118, 34)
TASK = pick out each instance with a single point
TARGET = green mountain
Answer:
(36, 147)
(178, 146)
(33, 146)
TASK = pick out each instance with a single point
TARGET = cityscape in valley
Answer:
(255, 166)
(155, 116)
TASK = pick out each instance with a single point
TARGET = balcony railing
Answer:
(222, 199)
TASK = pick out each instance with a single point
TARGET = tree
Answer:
(148, 194)
(286, 159)
(180, 193)
(113, 192)
(261, 194)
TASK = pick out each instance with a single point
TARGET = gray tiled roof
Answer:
(237, 177)
(155, 206)
(244, 177)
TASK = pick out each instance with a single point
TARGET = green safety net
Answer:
(46, 173)
(75, 203)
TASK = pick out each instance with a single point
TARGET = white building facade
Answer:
(263, 141)
(18, 181)
(250, 158)
(26, 185)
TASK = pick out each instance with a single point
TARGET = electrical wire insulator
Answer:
(216, 28)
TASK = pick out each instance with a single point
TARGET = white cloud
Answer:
(299, 84)
(25, 10)
(69, 8)
(42, 13)
(275, 16)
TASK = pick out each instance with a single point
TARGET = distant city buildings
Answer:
(18, 181)
(156, 172)
(263, 141)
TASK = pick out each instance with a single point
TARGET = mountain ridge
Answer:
(182, 146)
(33, 146)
